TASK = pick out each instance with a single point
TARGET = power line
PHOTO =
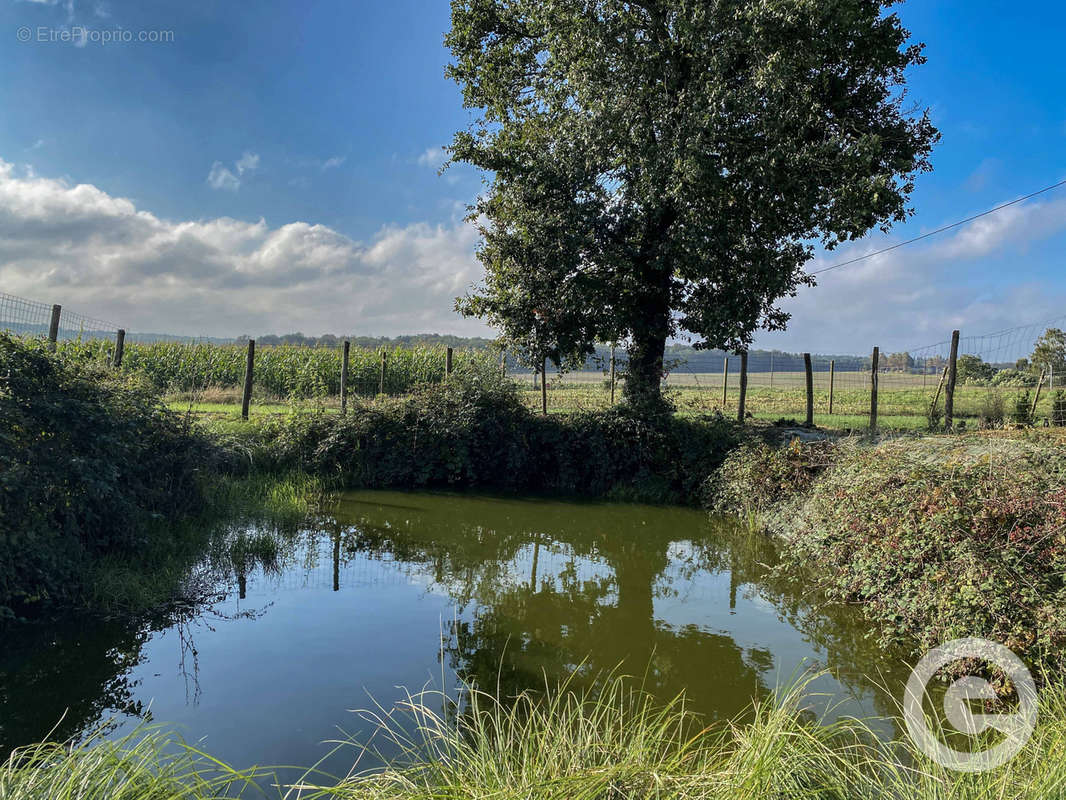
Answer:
(939, 230)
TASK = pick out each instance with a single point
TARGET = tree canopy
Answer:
(663, 168)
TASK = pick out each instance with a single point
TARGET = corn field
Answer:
(283, 371)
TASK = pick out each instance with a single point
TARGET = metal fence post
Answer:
(381, 380)
(949, 387)
(447, 363)
(53, 327)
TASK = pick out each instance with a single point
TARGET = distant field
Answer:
(903, 399)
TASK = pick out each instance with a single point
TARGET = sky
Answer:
(218, 169)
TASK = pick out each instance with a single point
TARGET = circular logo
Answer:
(1016, 727)
(23, 34)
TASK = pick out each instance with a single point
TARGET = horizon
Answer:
(301, 193)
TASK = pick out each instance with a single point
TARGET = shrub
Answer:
(935, 549)
(1013, 377)
(757, 477)
(1022, 412)
(1058, 408)
(475, 432)
(86, 460)
(993, 410)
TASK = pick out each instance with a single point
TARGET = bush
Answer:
(1023, 409)
(475, 432)
(1058, 408)
(757, 477)
(936, 548)
(1013, 377)
(87, 459)
(993, 410)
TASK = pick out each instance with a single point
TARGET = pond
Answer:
(393, 592)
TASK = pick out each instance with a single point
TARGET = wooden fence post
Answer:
(743, 386)
(949, 387)
(1036, 399)
(832, 381)
(809, 372)
(381, 380)
(344, 376)
(873, 388)
(120, 347)
(612, 376)
(249, 368)
(447, 363)
(725, 382)
(53, 327)
(544, 387)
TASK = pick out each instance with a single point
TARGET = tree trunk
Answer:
(643, 386)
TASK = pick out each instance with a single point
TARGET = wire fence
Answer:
(1000, 377)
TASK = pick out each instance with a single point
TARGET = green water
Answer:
(391, 592)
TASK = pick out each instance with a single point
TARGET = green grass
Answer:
(606, 743)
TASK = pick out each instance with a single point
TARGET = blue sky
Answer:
(273, 168)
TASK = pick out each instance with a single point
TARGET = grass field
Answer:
(904, 399)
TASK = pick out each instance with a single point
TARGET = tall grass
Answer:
(609, 742)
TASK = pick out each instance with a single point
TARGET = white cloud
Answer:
(103, 256)
(432, 157)
(973, 279)
(333, 162)
(221, 178)
(247, 162)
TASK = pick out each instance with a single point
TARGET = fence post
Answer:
(612, 376)
(743, 386)
(53, 327)
(949, 388)
(725, 382)
(1036, 399)
(447, 363)
(544, 387)
(832, 381)
(120, 346)
(344, 376)
(873, 388)
(249, 368)
(381, 380)
(809, 372)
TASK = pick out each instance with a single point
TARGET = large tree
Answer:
(663, 168)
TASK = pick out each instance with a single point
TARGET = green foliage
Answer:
(993, 411)
(87, 459)
(758, 476)
(936, 546)
(609, 742)
(972, 369)
(282, 371)
(1058, 409)
(1013, 377)
(475, 432)
(660, 168)
(1022, 413)
(1050, 351)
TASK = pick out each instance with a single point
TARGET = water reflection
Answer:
(389, 589)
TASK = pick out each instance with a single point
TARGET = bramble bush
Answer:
(935, 548)
(86, 460)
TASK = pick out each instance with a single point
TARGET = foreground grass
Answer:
(610, 742)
